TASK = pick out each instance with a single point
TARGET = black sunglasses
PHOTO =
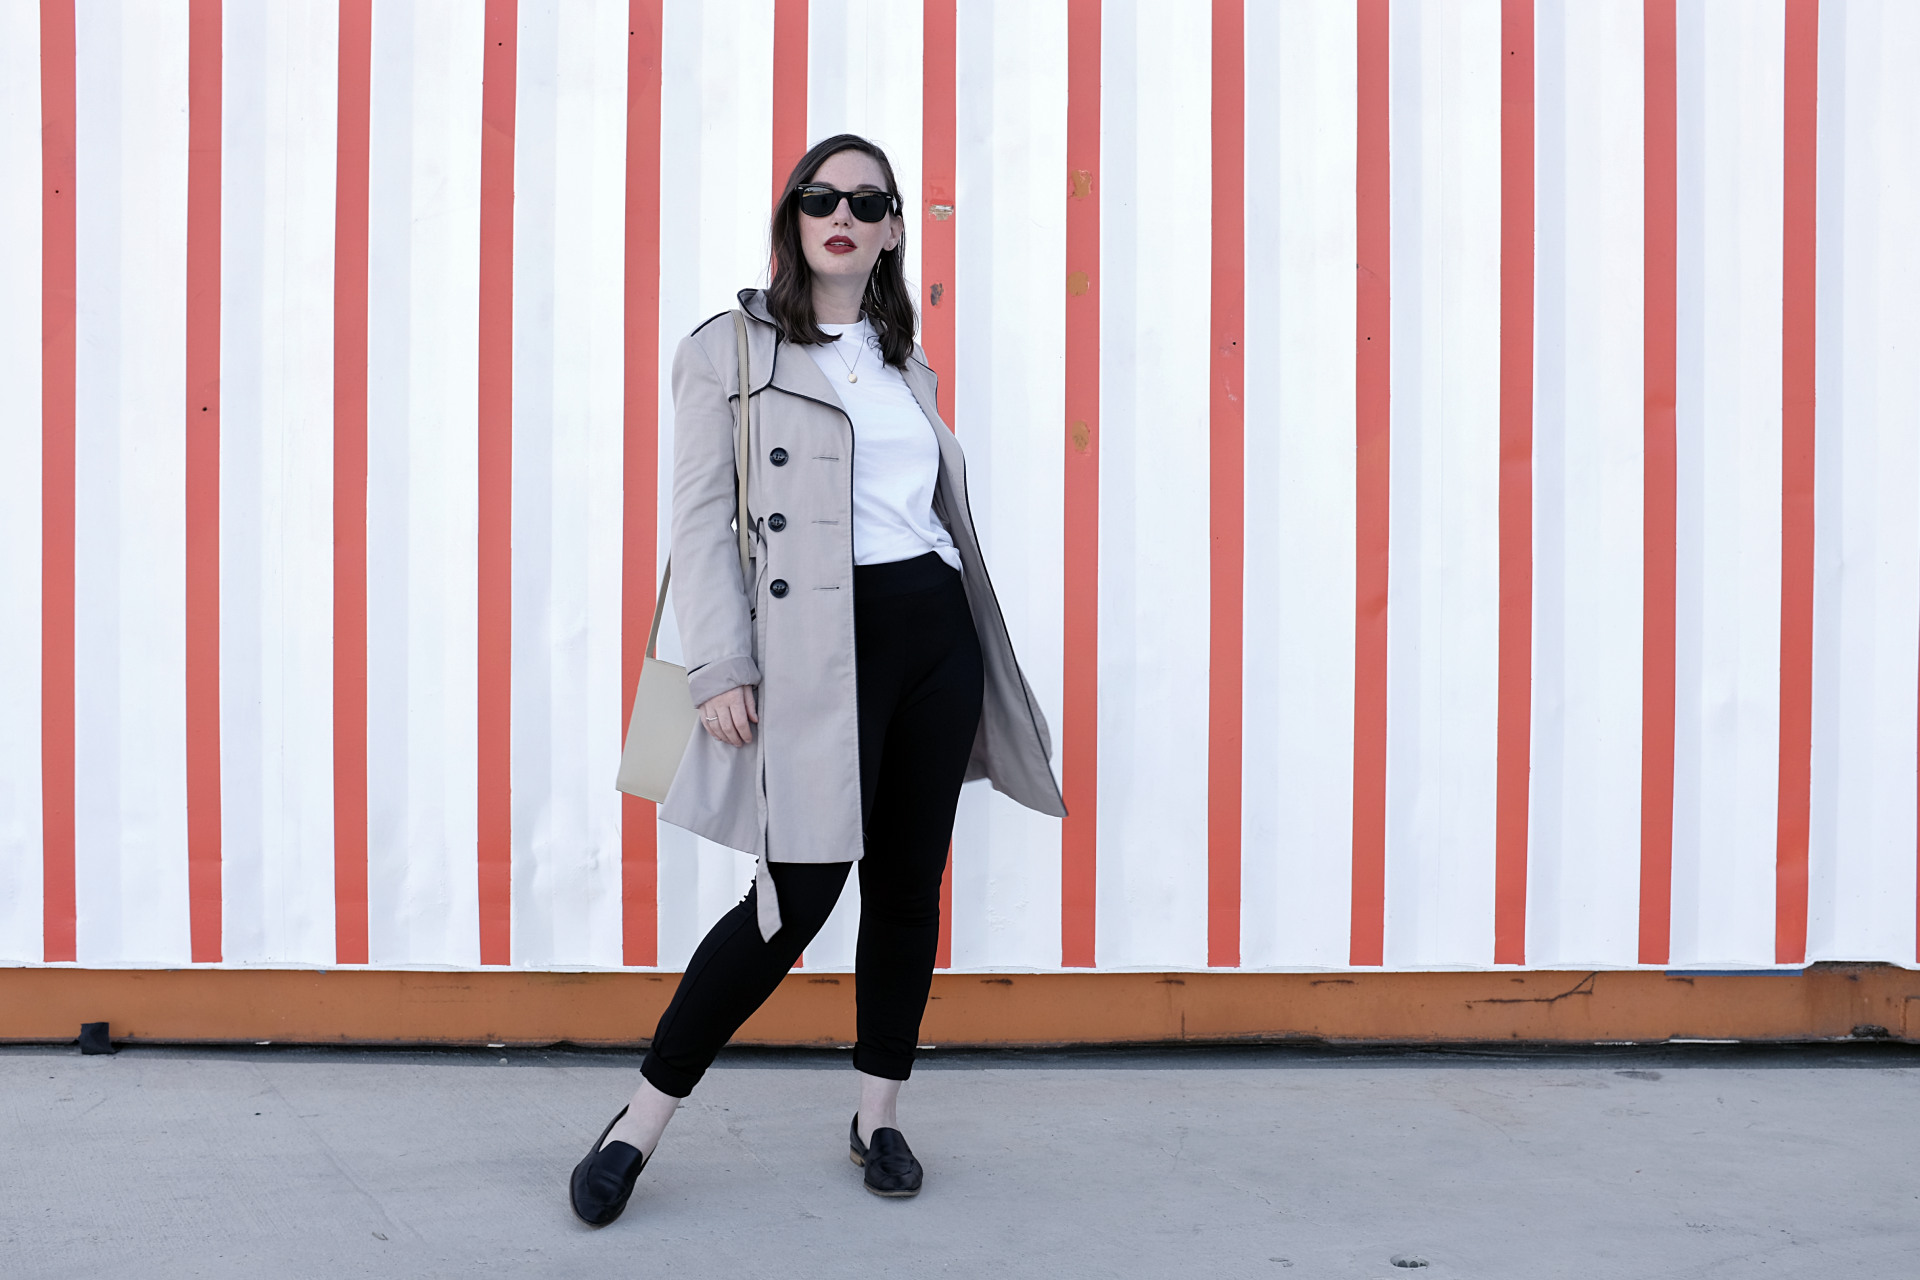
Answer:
(817, 201)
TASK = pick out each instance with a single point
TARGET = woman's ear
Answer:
(899, 226)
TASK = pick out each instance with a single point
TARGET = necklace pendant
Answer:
(853, 377)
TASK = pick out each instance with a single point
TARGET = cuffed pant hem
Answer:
(888, 1066)
(672, 1082)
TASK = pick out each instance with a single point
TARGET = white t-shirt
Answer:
(896, 460)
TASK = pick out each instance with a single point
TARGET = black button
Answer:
(776, 522)
(778, 586)
(778, 457)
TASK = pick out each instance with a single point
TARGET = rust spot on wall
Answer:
(936, 292)
(1082, 437)
(1080, 184)
(1077, 284)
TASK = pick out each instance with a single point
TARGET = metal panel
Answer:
(1303, 494)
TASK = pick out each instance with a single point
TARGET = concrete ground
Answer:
(1694, 1161)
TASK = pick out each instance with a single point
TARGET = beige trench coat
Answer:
(793, 794)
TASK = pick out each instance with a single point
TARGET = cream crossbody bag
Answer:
(664, 716)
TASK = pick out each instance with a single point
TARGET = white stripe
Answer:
(569, 234)
(21, 851)
(422, 477)
(1727, 662)
(1005, 396)
(716, 101)
(1444, 583)
(865, 75)
(276, 482)
(1867, 593)
(130, 614)
(1584, 813)
(1156, 104)
(1297, 744)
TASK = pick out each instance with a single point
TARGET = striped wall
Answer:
(1451, 468)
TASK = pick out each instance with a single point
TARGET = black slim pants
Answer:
(920, 685)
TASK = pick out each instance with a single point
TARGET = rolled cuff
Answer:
(715, 678)
(878, 1062)
(667, 1079)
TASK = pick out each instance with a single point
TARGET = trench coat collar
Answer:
(775, 364)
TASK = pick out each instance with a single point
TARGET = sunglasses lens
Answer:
(869, 206)
(818, 204)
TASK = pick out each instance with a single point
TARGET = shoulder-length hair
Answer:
(888, 305)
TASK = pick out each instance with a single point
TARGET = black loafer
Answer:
(604, 1179)
(888, 1160)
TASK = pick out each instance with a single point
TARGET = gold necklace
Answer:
(858, 352)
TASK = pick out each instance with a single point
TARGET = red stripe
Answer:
(1226, 483)
(1080, 721)
(57, 320)
(495, 613)
(1661, 265)
(350, 486)
(1373, 404)
(939, 165)
(1516, 485)
(203, 480)
(1796, 481)
(639, 566)
(789, 88)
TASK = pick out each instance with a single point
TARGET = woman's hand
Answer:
(727, 715)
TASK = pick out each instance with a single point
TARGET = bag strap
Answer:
(740, 442)
(739, 481)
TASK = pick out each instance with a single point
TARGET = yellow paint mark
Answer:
(1082, 180)
(1076, 284)
(1082, 437)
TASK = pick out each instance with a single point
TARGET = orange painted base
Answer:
(359, 1006)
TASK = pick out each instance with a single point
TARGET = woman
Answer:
(861, 678)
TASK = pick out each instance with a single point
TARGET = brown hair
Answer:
(887, 304)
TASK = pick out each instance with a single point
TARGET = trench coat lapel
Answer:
(781, 364)
(925, 387)
(795, 372)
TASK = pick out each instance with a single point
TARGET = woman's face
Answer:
(839, 246)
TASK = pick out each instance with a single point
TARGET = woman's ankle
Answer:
(879, 1105)
(648, 1112)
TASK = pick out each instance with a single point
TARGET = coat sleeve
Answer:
(709, 599)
